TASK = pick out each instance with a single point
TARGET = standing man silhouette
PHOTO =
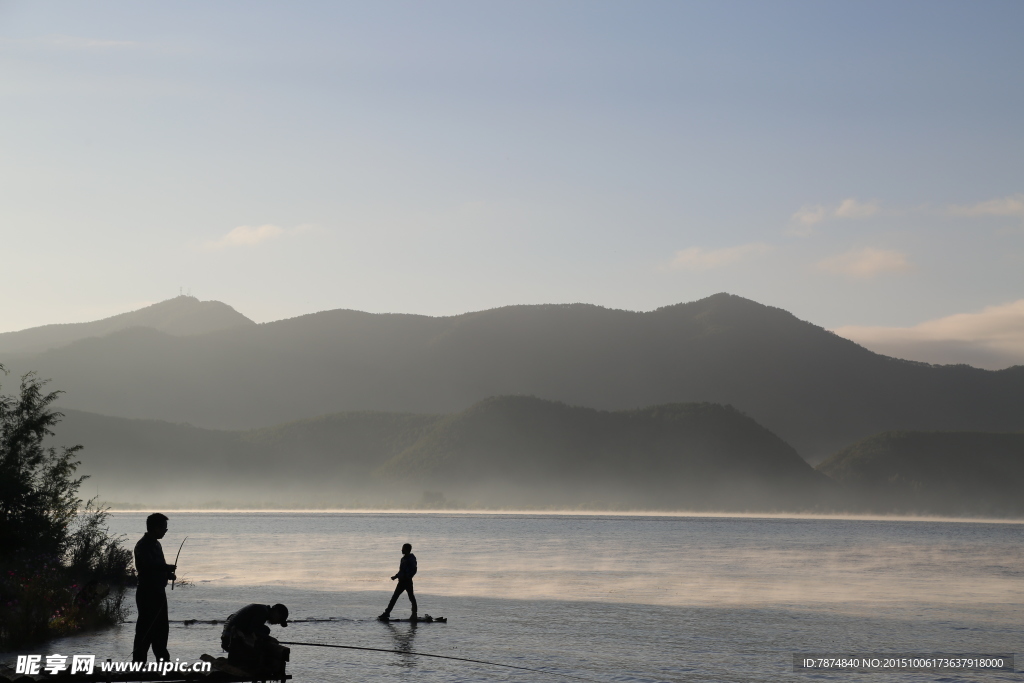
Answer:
(150, 598)
(406, 570)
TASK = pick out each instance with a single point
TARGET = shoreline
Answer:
(583, 513)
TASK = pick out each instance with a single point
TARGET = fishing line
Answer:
(190, 622)
(458, 659)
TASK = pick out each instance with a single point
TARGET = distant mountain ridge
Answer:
(515, 451)
(955, 473)
(684, 455)
(182, 315)
(503, 451)
(300, 462)
(817, 391)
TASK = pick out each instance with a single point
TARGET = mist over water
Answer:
(673, 561)
(610, 598)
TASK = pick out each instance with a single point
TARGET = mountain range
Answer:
(209, 366)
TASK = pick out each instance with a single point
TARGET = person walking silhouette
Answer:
(406, 570)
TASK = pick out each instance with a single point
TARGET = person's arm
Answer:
(167, 569)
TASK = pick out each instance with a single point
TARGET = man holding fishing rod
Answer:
(151, 627)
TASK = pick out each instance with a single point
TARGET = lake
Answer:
(597, 596)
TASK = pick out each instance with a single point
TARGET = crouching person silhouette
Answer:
(406, 570)
(247, 640)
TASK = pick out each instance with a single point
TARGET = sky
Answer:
(860, 164)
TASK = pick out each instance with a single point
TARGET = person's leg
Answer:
(394, 598)
(143, 624)
(161, 628)
(242, 655)
(412, 597)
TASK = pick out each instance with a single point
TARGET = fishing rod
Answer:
(176, 561)
(458, 659)
(192, 622)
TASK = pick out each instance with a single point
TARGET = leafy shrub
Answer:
(60, 569)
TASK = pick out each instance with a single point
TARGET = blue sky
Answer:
(860, 164)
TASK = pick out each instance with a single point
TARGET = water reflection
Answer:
(403, 636)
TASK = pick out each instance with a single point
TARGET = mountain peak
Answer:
(180, 316)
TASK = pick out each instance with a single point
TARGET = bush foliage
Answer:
(60, 569)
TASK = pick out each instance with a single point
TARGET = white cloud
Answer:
(250, 236)
(1005, 206)
(851, 208)
(993, 338)
(866, 263)
(803, 221)
(698, 258)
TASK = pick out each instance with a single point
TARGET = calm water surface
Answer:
(608, 598)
